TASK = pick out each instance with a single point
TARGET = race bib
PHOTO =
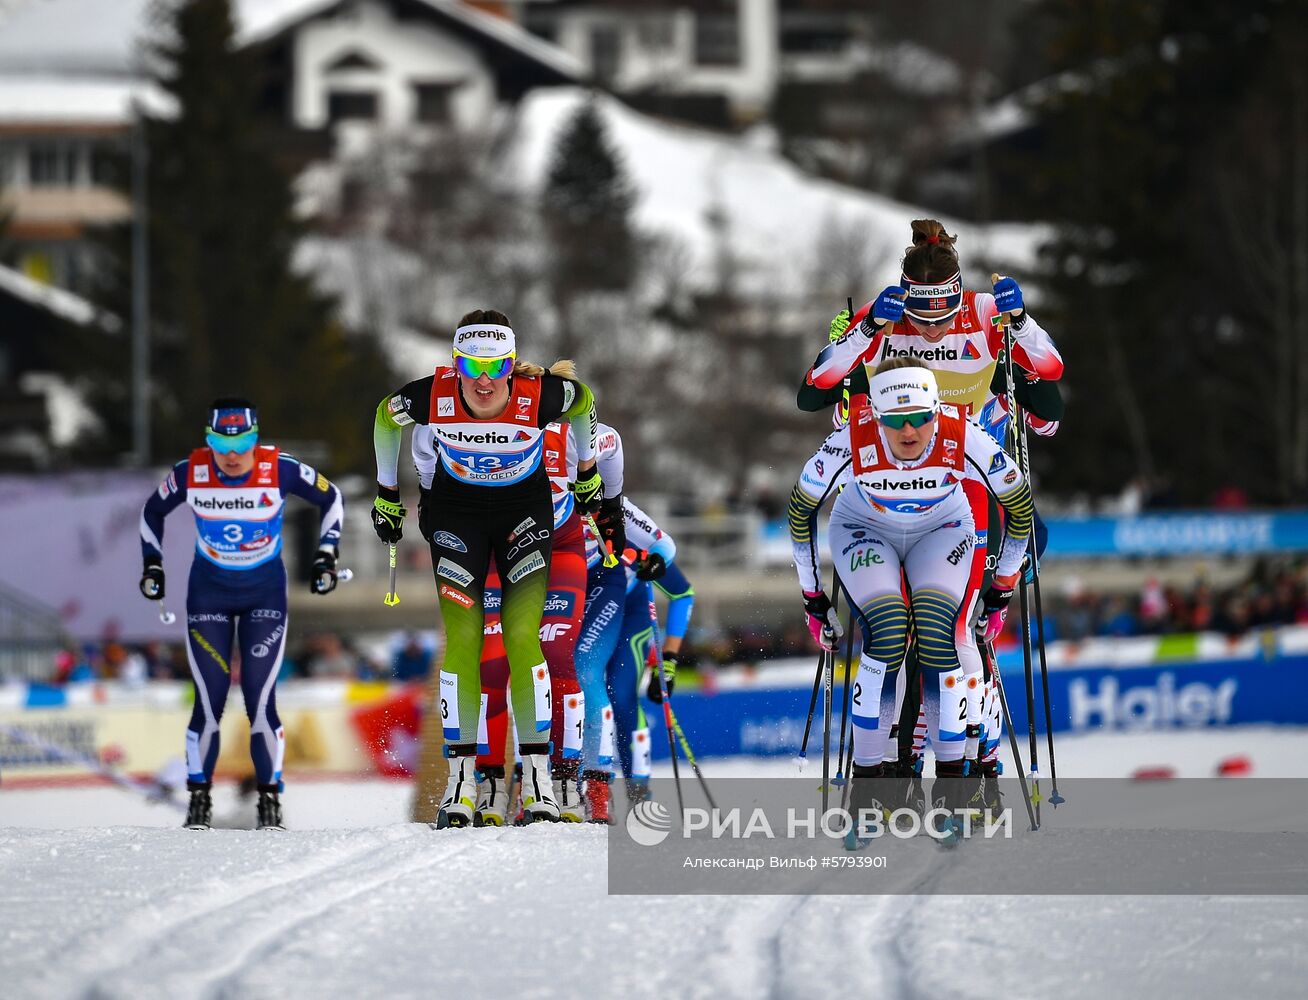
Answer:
(450, 706)
(540, 682)
(574, 725)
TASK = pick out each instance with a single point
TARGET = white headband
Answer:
(485, 340)
(901, 387)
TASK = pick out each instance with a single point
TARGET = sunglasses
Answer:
(493, 368)
(938, 321)
(896, 421)
(236, 443)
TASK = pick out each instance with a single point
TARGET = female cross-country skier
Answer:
(237, 488)
(930, 318)
(490, 495)
(902, 537)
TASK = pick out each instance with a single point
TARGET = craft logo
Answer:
(970, 353)
(445, 407)
(959, 550)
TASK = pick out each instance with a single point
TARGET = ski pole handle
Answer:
(1004, 318)
(392, 598)
(610, 560)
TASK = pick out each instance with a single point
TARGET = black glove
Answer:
(323, 578)
(650, 566)
(388, 515)
(589, 491)
(999, 593)
(152, 579)
(655, 688)
(612, 523)
(426, 512)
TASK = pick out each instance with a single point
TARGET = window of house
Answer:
(605, 51)
(51, 164)
(655, 33)
(433, 103)
(352, 105)
(717, 40)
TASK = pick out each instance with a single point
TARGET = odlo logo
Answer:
(648, 823)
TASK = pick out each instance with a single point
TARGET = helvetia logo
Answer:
(649, 824)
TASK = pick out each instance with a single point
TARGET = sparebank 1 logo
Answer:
(649, 823)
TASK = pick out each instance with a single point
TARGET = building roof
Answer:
(89, 101)
(104, 37)
(56, 301)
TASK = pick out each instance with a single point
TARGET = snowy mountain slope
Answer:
(776, 213)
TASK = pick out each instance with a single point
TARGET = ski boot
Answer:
(873, 793)
(492, 797)
(596, 786)
(992, 801)
(199, 814)
(269, 808)
(567, 793)
(538, 802)
(460, 799)
(638, 791)
(950, 792)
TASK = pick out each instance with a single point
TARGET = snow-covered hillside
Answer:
(776, 214)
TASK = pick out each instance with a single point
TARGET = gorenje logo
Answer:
(486, 437)
(212, 503)
(931, 354)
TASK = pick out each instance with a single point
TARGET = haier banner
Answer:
(1156, 697)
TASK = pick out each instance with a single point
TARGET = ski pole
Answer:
(610, 559)
(392, 598)
(844, 702)
(1054, 798)
(802, 760)
(1012, 737)
(690, 755)
(1016, 426)
(670, 717)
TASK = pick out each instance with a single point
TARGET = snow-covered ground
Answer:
(357, 902)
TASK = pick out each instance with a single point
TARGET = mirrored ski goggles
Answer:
(932, 321)
(227, 444)
(913, 418)
(493, 368)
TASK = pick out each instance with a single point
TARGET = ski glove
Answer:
(611, 522)
(994, 603)
(152, 579)
(1008, 296)
(323, 578)
(888, 307)
(388, 515)
(650, 566)
(655, 689)
(589, 492)
(839, 324)
(823, 622)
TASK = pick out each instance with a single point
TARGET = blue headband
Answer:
(933, 296)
